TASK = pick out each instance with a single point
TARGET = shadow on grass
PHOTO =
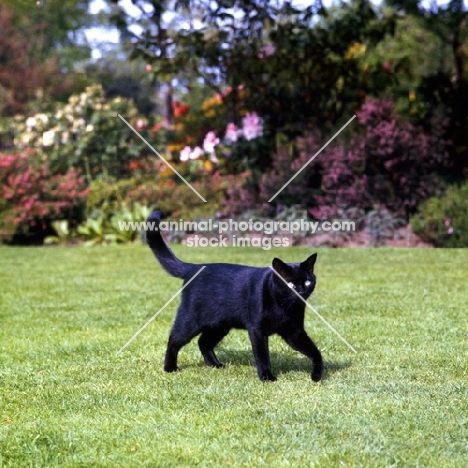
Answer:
(280, 363)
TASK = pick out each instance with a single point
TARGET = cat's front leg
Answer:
(298, 339)
(261, 354)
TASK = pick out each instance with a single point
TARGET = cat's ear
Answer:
(310, 262)
(280, 267)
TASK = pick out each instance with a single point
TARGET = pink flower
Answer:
(232, 132)
(210, 142)
(185, 153)
(447, 222)
(450, 230)
(196, 153)
(266, 51)
(252, 126)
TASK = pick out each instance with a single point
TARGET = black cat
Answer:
(225, 296)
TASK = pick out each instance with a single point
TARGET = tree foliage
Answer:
(24, 77)
(62, 24)
(300, 66)
(446, 87)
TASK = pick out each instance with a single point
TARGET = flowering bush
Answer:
(33, 197)
(390, 162)
(86, 133)
(398, 160)
(237, 152)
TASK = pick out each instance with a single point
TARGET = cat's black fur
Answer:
(225, 296)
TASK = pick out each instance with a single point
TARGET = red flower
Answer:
(132, 165)
(181, 110)
(155, 128)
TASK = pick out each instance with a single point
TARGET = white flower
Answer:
(30, 122)
(210, 142)
(43, 118)
(89, 127)
(185, 153)
(65, 137)
(26, 138)
(48, 138)
(78, 124)
(196, 153)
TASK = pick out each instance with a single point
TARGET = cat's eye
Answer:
(291, 285)
(308, 283)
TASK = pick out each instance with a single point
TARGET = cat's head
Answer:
(297, 276)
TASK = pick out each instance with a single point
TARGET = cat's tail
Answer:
(163, 253)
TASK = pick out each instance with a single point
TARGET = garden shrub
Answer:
(381, 225)
(389, 162)
(444, 220)
(288, 159)
(107, 229)
(32, 197)
(159, 187)
(397, 160)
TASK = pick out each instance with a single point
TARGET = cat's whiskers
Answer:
(288, 301)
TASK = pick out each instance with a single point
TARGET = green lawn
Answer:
(68, 399)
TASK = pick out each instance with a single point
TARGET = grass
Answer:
(68, 399)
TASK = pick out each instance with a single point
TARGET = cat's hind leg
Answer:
(182, 333)
(209, 338)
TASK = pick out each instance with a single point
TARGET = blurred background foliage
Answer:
(236, 96)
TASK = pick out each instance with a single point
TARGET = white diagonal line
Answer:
(312, 158)
(160, 310)
(162, 159)
(313, 310)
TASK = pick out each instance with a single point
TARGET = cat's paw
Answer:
(217, 365)
(171, 369)
(316, 376)
(317, 371)
(268, 377)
